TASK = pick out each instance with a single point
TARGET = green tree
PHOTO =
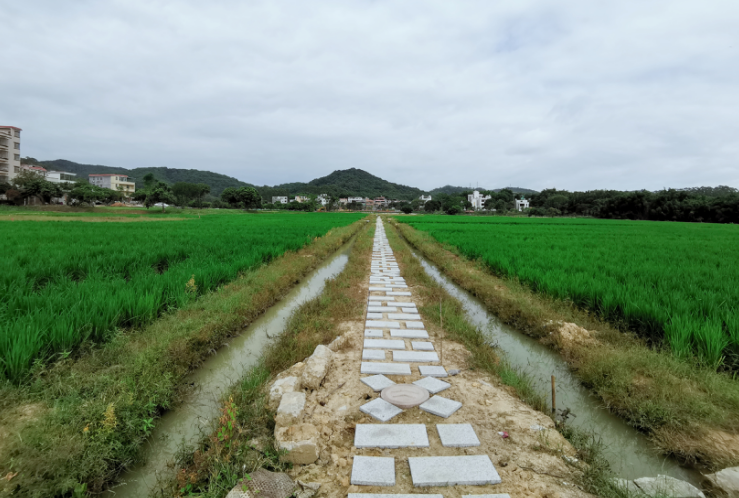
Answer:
(407, 209)
(31, 184)
(245, 197)
(158, 193)
(83, 192)
(184, 192)
(432, 205)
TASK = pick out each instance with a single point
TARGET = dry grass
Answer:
(677, 402)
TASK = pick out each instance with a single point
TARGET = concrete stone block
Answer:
(410, 334)
(408, 310)
(415, 356)
(403, 316)
(373, 354)
(380, 409)
(290, 409)
(422, 345)
(316, 367)
(381, 298)
(300, 441)
(372, 368)
(392, 495)
(373, 333)
(432, 371)
(415, 325)
(398, 293)
(280, 387)
(440, 406)
(377, 382)
(373, 471)
(668, 486)
(377, 289)
(383, 344)
(473, 470)
(457, 435)
(382, 309)
(432, 385)
(374, 316)
(391, 436)
(376, 324)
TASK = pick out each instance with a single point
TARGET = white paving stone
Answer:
(391, 436)
(383, 344)
(380, 409)
(422, 345)
(414, 325)
(372, 368)
(394, 495)
(415, 356)
(373, 471)
(409, 310)
(373, 354)
(472, 470)
(432, 384)
(433, 371)
(377, 289)
(440, 406)
(410, 334)
(398, 293)
(377, 324)
(403, 316)
(374, 316)
(381, 309)
(457, 435)
(377, 382)
(372, 333)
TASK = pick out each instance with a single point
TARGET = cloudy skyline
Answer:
(575, 95)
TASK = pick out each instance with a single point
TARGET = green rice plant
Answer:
(63, 283)
(673, 283)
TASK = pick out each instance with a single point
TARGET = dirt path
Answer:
(521, 445)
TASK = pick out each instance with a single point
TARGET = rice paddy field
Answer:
(64, 282)
(676, 284)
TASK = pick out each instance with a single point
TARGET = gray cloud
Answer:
(573, 94)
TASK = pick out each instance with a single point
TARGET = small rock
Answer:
(726, 482)
(628, 486)
(307, 489)
(280, 387)
(300, 441)
(453, 372)
(668, 486)
(476, 384)
(290, 409)
(342, 462)
(345, 481)
(316, 367)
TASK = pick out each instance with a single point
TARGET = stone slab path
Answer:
(393, 325)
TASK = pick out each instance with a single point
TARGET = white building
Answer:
(477, 200)
(61, 177)
(10, 153)
(301, 198)
(279, 198)
(521, 204)
(323, 199)
(425, 198)
(113, 182)
(358, 200)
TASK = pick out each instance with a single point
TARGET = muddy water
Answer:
(181, 427)
(630, 453)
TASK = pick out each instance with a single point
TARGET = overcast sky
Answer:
(568, 94)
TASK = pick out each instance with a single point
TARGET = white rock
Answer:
(668, 486)
(290, 409)
(726, 481)
(280, 387)
(300, 441)
(316, 367)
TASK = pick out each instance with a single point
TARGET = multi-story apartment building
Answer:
(477, 200)
(113, 181)
(425, 198)
(279, 198)
(61, 177)
(10, 153)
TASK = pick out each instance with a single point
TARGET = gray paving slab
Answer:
(374, 316)
(410, 334)
(422, 345)
(397, 286)
(415, 356)
(377, 289)
(383, 344)
(381, 309)
(373, 354)
(391, 436)
(372, 332)
(377, 324)
(457, 435)
(409, 310)
(373, 471)
(372, 368)
(377, 382)
(432, 384)
(414, 325)
(470, 470)
(380, 409)
(433, 371)
(403, 316)
(398, 293)
(393, 495)
(441, 406)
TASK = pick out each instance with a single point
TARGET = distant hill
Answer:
(518, 190)
(216, 181)
(344, 183)
(450, 190)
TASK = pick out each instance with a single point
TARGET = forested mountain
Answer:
(452, 190)
(216, 181)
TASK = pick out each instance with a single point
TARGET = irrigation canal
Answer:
(192, 418)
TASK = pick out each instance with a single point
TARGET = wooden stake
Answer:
(554, 397)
